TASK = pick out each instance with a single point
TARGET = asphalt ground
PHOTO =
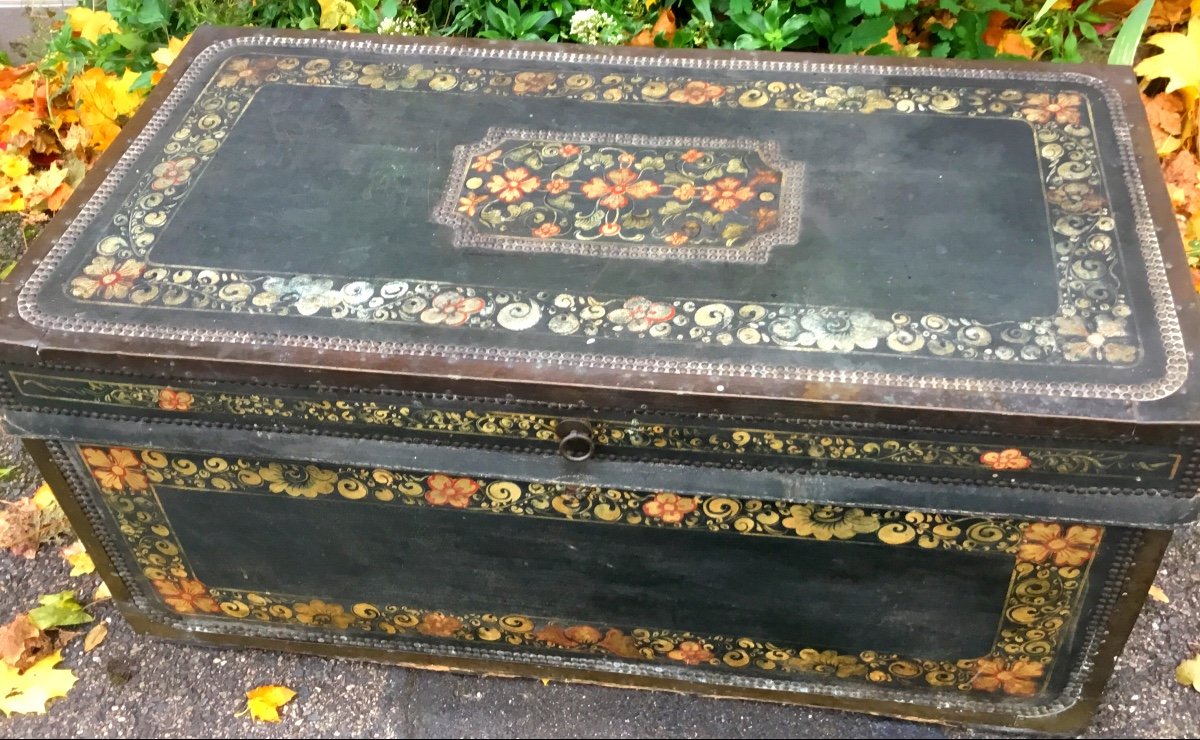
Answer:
(139, 686)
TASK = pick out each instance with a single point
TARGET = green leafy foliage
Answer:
(58, 610)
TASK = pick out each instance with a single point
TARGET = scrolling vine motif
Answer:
(1091, 326)
(1050, 569)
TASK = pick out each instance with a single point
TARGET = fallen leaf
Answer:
(1165, 114)
(81, 562)
(264, 702)
(545, 681)
(1188, 673)
(44, 499)
(28, 692)
(1158, 594)
(665, 24)
(22, 644)
(91, 24)
(1182, 173)
(1167, 13)
(1179, 62)
(59, 610)
(102, 593)
(30, 521)
(95, 636)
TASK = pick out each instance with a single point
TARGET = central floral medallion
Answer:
(614, 195)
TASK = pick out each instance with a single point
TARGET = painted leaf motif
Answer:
(263, 703)
(29, 692)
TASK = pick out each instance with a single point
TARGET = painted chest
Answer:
(829, 380)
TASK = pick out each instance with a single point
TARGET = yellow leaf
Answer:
(164, 56)
(1179, 62)
(336, 13)
(13, 166)
(1188, 673)
(264, 702)
(21, 121)
(91, 24)
(102, 593)
(28, 692)
(1158, 594)
(94, 637)
(81, 562)
(44, 499)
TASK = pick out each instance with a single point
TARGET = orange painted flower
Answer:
(186, 596)
(764, 177)
(1018, 678)
(104, 276)
(584, 634)
(452, 308)
(1010, 459)
(697, 92)
(685, 192)
(676, 238)
(447, 491)
(485, 162)
(514, 184)
(174, 172)
(692, 653)
(436, 624)
(765, 218)
(532, 83)
(669, 507)
(470, 203)
(547, 230)
(244, 71)
(172, 400)
(1062, 108)
(639, 313)
(557, 185)
(610, 229)
(1042, 542)
(616, 188)
(691, 155)
(568, 150)
(117, 470)
(726, 194)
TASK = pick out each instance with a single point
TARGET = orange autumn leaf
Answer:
(1167, 14)
(1182, 173)
(665, 24)
(45, 184)
(1015, 44)
(21, 123)
(1165, 114)
(1006, 40)
(892, 39)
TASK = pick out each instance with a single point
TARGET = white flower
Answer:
(591, 26)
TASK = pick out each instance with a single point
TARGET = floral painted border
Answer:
(806, 446)
(561, 154)
(1051, 563)
(1091, 327)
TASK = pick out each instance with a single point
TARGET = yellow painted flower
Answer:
(308, 481)
(827, 661)
(828, 522)
(320, 614)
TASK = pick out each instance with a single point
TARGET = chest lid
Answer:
(978, 237)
